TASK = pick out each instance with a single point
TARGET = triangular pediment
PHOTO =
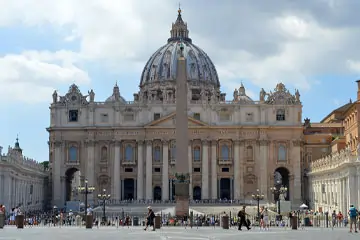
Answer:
(170, 121)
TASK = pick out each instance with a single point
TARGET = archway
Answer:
(197, 193)
(129, 189)
(157, 193)
(225, 188)
(282, 179)
(72, 180)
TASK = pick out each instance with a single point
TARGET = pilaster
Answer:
(205, 170)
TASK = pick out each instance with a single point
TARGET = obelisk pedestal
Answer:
(182, 140)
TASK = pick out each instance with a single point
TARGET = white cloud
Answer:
(270, 43)
(36, 72)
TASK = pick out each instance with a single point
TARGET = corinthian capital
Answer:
(264, 142)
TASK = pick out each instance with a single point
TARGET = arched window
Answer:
(157, 154)
(73, 154)
(225, 152)
(172, 151)
(104, 154)
(282, 153)
(129, 153)
(249, 153)
(197, 154)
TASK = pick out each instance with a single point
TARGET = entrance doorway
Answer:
(281, 179)
(72, 181)
(129, 188)
(225, 192)
(157, 193)
(197, 193)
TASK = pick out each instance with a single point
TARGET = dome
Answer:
(161, 67)
(116, 97)
(241, 97)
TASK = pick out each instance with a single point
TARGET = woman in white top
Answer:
(265, 214)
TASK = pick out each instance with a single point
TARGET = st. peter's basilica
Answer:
(127, 147)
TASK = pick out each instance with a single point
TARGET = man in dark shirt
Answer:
(242, 219)
(150, 219)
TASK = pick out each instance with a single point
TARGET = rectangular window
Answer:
(157, 116)
(128, 117)
(197, 169)
(157, 170)
(225, 169)
(73, 115)
(104, 118)
(196, 116)
(249, 117)
(280, 115)
(224, 117)
(128, 170)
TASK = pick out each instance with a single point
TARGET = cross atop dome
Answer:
(179, 29)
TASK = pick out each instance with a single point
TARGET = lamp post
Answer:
(104, 197)
(86, 190)
(281, 192)
(258, 197)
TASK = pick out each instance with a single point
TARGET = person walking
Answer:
(242, 219)
(150, 219)
(353, 213)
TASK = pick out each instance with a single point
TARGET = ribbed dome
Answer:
(116, 97)
(241, 97)
(161, 66)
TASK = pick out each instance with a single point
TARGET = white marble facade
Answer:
(334, 182)
(22, 180)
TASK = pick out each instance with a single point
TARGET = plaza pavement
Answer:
(171, 233)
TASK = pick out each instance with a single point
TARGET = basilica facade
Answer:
(236, 146)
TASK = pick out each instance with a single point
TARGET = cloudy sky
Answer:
(312, 45)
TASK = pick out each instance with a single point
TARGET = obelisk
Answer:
(182, 139)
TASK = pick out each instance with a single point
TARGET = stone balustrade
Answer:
(332, 161)
(14, 157)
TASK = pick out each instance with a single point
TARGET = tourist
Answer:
(265, 220)
(353, 213)
(150, 219)
(242, 216)
(333, 219)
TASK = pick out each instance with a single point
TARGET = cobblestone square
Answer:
(134, 233)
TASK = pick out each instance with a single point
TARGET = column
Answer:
(56, 181)
(205, 170)
(116, 176)
(338, 195)
(90, 167)
(140, 170)
(149, 188)
(190, 170)
(165, 175)
(264, 157)
(241, 168)
(6, 192)
(236, 170)
(295, 157)
(352, 188)
(214, 176)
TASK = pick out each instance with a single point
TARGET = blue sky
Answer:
(52, 46)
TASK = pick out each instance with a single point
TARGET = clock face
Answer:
(73, 98)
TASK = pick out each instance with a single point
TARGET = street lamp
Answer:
(104, 197)
(281, 192)
(258, 197)
(86, 190)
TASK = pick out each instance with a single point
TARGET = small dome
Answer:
(241, 97)
(161, 67)
(116, 97)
